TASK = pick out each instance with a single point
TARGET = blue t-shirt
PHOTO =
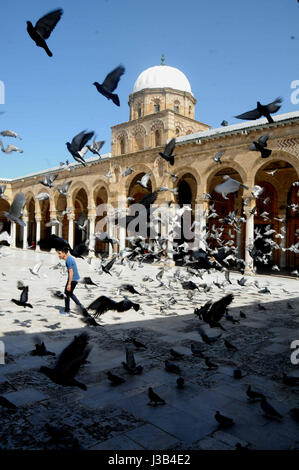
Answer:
(71, 264)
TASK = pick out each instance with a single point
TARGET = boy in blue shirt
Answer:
(72, 281)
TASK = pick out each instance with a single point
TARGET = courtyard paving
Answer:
(118, 417)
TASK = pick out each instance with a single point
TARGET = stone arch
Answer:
(157, 131)
(140, 170)
(80, 202)
(100, 195)
(98, 186)
(180, 172)
(122, 141)
(4, 206)
(76, 188)
(211, 171)
(292, 222)
(276, 155)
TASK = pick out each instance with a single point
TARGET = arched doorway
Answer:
(81, 204)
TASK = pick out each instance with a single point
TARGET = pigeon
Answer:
(268, 409)
(261, 307)
(167, 154)
(63, 189)
(262, 110)
(230, 185)
(2, 191)
(170, 367)
(10, 148)
(217, 157)
(40, 349)
(87, 281)
(224, 421)
(23, 298)
(295, 413)
(10, 133)
(242, 281)
(230, 346)
(127, 171)
(58, 294)
(137, 343)
(224, 123)
(260, 146)
(264, 291)
(242, 314)
(144, 180)
(237, 374)
(103, 304)
(16, 209)
(115, 379)
(95, 147)
(180, 382)
(154, 398)
(189, 285)
(77, 144)
(206, 338)
(36, 269)
(110, 84)
(175, 354)
(44, 28)
(48, 180)
(106, 268)
(69, 362)
(82, 222)
(43, 196)
(252, 395)
(129, 288)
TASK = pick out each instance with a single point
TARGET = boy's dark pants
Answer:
(70, 295)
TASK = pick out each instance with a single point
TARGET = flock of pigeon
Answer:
(222, 259)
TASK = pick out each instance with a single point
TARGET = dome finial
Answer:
(163, 59)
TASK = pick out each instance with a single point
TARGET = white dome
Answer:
(162, 76)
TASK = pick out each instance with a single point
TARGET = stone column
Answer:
(122, 205)
(71, 218)
(249, 235)
(38, 220)
(25, 232)
(60, 218)
(13, 233)
(91, 231)
(111, 230)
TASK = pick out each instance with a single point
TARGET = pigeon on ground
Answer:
(77, 144)
(110, 84)
(170, 367)
(290, 380)
(252, 395)
(224, 421)
(295, 413)
(40, 349)
(129, 288)
(261, 145)
(43, 28)
(16, 209)
(238, 374)
(115, 379)
(137, 343)
(262, 110)
(210, 364)
(69, 362)
(242, 314)
(167, 154)
(154, 398)
(242, 281)
(87, 281)
(196, 351)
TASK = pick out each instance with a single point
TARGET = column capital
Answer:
(71, 216)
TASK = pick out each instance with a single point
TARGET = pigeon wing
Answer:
(218, 308)
(263, 140)
(47, 23)
(253, 114)
(130, 360)
(112, 79)
(273, 107)
(149, 199)
(102, 304)
(110, 264)
(18, 204)
(169, 148)
(24, 295)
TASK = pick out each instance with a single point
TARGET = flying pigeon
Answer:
(229, 186)
(261, 145)
(23, 298)
(167, 154)
(43, 196)
(217, 157)
(10, 148)
(262, 110)
(110, 84)
(2, 191)
(77, 144)
(16, 209)
(95, 147)
(44, 28)
(48, 180)
(63, 189)
(10, 133)
(144, 180)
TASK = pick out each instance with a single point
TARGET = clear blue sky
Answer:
(233, 53)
